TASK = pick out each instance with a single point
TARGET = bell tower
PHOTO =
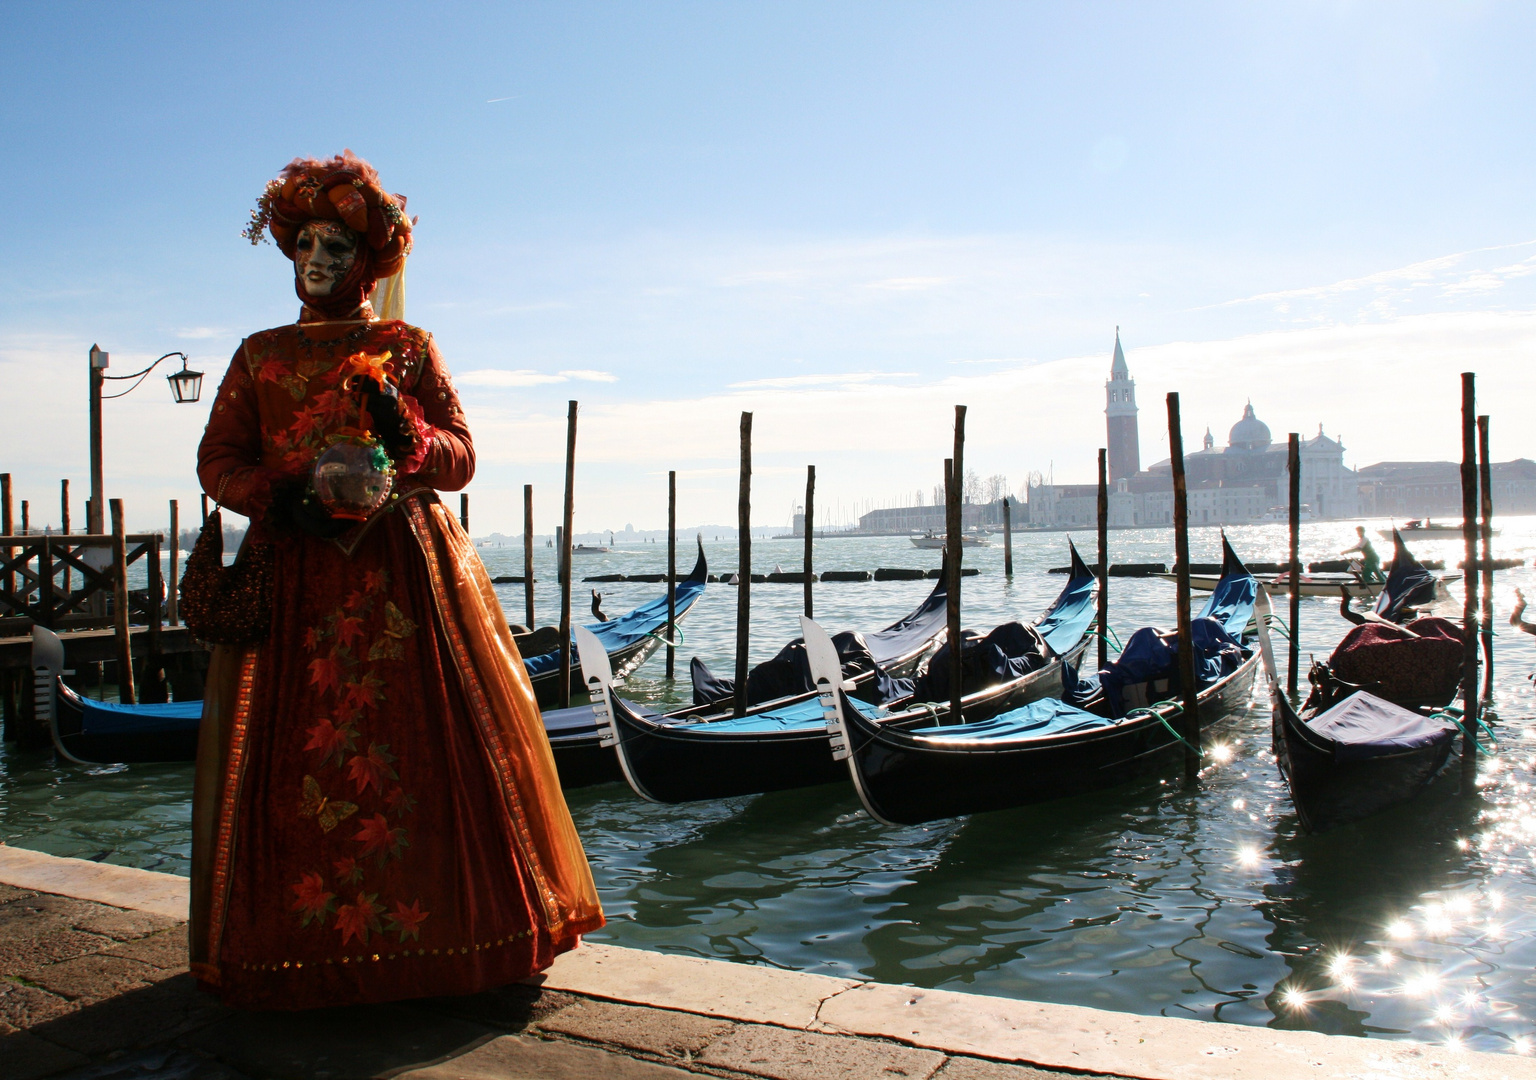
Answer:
(1120, 411)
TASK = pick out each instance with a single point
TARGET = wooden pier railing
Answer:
(38, 579)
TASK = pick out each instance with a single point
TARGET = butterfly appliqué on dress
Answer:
(329, 812)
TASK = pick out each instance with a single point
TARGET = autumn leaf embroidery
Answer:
(407, 920)
(347, 870)
(311, 900)
(377, 837)
(399, 802)
(363, 693)
(372, 769)
(357, 920)
(331, 738)
(314, 804)
(325, 673)
(349, 628)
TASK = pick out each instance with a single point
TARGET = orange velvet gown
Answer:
(376, 813)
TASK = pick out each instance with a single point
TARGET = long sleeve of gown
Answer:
(445, 457)
(228, 457)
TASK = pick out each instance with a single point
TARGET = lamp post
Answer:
(186, 388)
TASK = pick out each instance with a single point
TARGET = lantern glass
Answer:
(186, 385)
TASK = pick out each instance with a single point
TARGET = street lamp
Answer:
(186, 387)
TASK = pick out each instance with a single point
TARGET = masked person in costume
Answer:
(377, 814)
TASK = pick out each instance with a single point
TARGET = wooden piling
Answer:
(1103, 567)
(26, 517)
(125, 692)
(1293, 464)
(565, 556)
(955, 499)
(528, 555)
(1469, 612)
(671, 572)
(1008, 536)
(173, 586)
(1485, 476)
(1189, 690)
(7, 528)
(810, 534)
(203, 496)
(743, 564)
(464, 512)
(64, 527)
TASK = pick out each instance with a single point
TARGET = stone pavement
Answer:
(91, 991)
(94, 986)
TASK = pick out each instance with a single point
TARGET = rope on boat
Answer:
(1277, 624)
(1109, 635)
(1456, 717)
(1154, 711)
(678, 630)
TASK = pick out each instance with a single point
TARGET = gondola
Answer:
(583, 759)
(103, 732)
(1351, 752)
(786, 746)
(908, 769)
(96, 732)
(630, 638)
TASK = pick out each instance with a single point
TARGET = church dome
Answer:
(1249, 433)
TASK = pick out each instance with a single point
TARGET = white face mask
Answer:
(324, 255)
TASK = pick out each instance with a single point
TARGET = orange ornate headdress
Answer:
(344, 189)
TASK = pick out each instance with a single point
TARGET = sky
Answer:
(846, 218)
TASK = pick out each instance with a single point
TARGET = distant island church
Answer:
(1246, 480)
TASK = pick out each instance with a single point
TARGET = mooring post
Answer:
(1189, 691)
(1007, 536)
(64, 528)
(1469, 612)
(8, 582)
(528, 555)
(671, 571)
(203, 496)
(1293, 465)
(172, 587)
(743, 564)
(464, 512)
(125, 692)
(955, 497)
(26, 517)
(810, 534)
(1485, 475)
(565, 556)
(1103, 567)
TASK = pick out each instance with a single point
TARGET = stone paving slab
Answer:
(92, 992)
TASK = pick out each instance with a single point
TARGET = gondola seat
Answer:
(1416, 665)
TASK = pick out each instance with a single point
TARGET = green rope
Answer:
(1492, 746)
(678, 630)
(1109, 635)
(1277, 624)
(1152, 710)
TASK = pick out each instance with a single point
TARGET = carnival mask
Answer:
(324, 254)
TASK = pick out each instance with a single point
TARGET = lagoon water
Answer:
(1207, 903)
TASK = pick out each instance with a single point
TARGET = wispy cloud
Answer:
(499, 379)
(589, 375)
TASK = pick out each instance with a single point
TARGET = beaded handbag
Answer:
(227, 605)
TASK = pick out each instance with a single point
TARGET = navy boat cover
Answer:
(1035, 720)
(1408, 586)
(1153, 654)
(1364, 726)
(1231, 602)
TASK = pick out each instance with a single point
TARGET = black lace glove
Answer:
(392, 431)
(296, 509)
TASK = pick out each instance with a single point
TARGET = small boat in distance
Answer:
(590, 549)
(1426, 527)
(931, 541)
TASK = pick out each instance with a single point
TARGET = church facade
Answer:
(1246, 480)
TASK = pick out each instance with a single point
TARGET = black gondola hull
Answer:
(1327, 792)
(686, 763)
(907, 781)
(131, 748)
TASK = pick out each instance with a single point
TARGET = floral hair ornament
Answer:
(344, 188)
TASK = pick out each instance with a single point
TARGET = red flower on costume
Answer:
(407, 920)
(356, 920)
(312, 901)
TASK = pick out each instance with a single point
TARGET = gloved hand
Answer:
(296, 509)
(393, 431)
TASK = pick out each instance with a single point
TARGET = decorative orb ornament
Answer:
(353, 478)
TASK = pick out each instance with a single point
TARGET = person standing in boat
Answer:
(1370, 562)
(376, 812)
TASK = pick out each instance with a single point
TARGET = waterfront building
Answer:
(1409, 489)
